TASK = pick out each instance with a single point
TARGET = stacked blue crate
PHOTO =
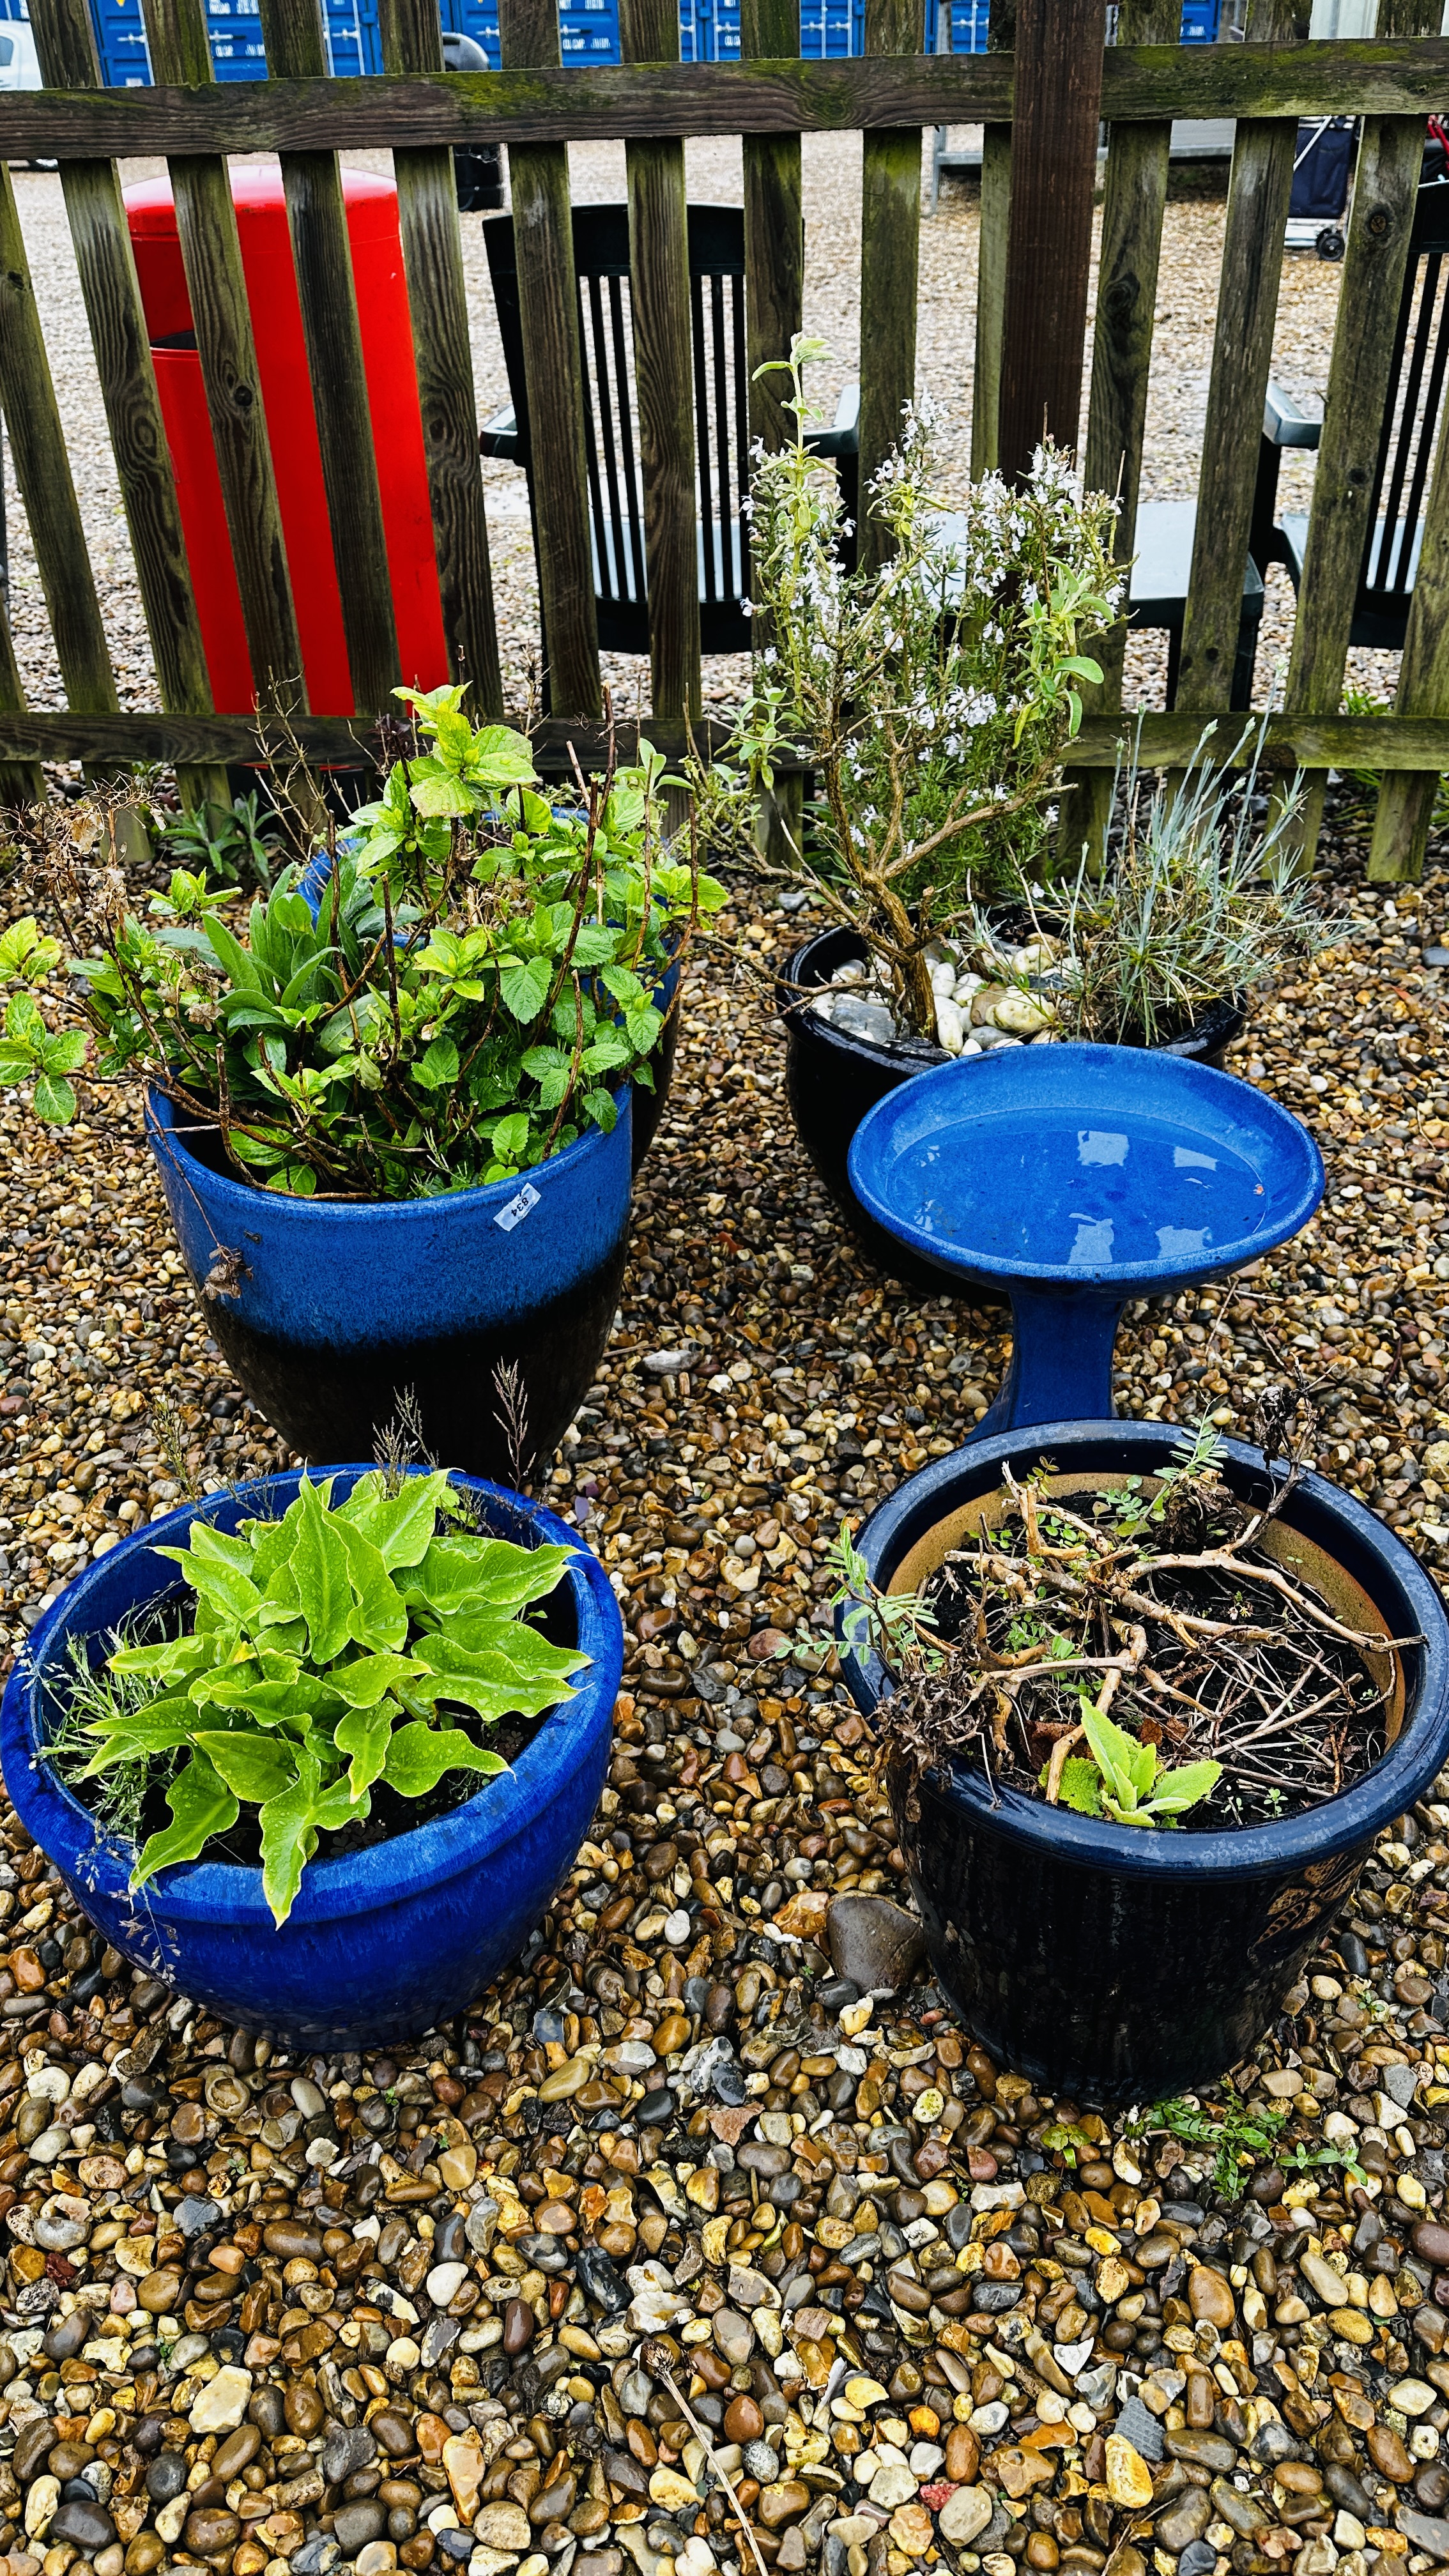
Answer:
(709, 32)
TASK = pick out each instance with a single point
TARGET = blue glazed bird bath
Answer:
(384, 1942)
(1076, 1178)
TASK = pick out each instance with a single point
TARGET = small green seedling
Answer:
(1125, 1781)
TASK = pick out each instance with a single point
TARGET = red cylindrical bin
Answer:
(397, 429)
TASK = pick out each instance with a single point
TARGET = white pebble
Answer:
(445, 2281)
(950, 1026)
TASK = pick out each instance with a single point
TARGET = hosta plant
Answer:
(480, 981)
(325, 1656)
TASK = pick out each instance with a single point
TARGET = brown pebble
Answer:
(1042, 2551)
(158, 2293)
(744, 2421)
(1431, 2239)
(1388, 2454)
(392, 2431)
(963, 2455)
(145, 2553)
(1210, 2297)
(518, 2327)
(235, 2451)
(1201, 2401)
(212, 2530)
(304, 2410)
(289, 2237)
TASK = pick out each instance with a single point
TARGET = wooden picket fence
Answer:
(1039, 92)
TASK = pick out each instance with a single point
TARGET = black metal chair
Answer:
(1406, 445)
(721, 403)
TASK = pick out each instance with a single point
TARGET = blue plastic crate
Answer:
(1200, 21)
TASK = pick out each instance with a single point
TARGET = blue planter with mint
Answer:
(348, 1856)
(393, 1105)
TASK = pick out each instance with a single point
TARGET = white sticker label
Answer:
(517, 1208)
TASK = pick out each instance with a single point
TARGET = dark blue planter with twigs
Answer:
(1112, 1963)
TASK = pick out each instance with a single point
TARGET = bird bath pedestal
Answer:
(1076, 1178)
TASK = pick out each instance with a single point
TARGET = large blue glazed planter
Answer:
(1112, 1963)
(382, 1944)
(330, 1313)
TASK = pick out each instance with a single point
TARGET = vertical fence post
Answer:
(664, 378)
(1258, 194)
(1133, 206)
(317, 218)
(427, 205)
(211, 250)
(548, 301)
(774, 228)
(991, 262)
(1056, 104)
(65, 42)
(774, 310)
(890, 238)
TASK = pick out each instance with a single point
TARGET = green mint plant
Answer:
(935, 697)
(324, 1654)
(1126, 1781)
(481, 980)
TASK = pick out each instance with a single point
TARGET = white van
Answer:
(19, 67)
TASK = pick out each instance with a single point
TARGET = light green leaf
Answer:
(162, 1728)
(53, 1101)
(524, 984)
(256, 1767)
(437, 1069)
(201, 1805)
(378, 1616)
(1175, 1791)
(320, 1568)
(399, 1525)
(519, 1672)
(1080, 1786)
(442, 793)
(1118, 1756)
(419, 1755)
(289, 1836)
(365, 1734)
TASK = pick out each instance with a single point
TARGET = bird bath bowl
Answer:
(1076, 1178)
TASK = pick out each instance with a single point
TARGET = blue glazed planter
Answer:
(330, 1313)
(381, 1944)
(1112, 1963)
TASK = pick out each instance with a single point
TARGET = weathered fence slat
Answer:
(602, 103)
(42, 470)
(1049, 237)
(211, 251)
(991, 263)
(890, 237)
(100, 236)
(427, 206)
(663, 375)
(1390, 157)
(774, 312)
(21, 781)
(1168, 741)
(1133, 205)
(317, 219)
(774, 231)
(1258, 193)
(553, 368)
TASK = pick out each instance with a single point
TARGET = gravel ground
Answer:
(263, 2316)
(671, 2205)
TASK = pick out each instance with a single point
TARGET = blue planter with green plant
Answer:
(391, 1104)
(262, 1719)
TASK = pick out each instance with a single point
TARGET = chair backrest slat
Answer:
(1417, 380)
(721, 406)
